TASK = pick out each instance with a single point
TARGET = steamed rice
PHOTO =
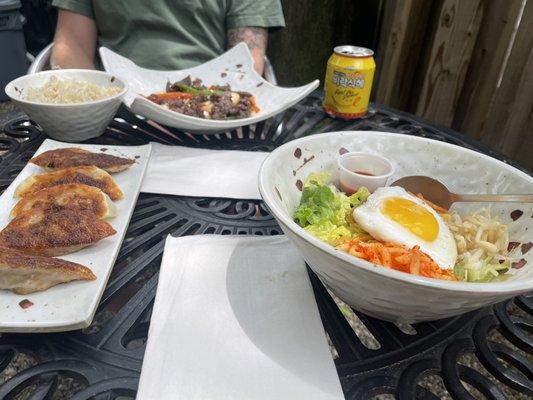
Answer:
(65, 91)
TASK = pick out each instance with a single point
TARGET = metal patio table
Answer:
(105, 359)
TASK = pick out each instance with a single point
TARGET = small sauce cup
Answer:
(359, 169)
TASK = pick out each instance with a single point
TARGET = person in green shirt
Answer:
(162, 34)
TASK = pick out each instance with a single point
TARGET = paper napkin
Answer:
(236, 318)
(185, 171)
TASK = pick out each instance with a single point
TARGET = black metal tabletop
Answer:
(482, 354)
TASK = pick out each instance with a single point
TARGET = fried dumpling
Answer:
(23, 273)
(76, 157)
(71, 196)
(91, 176)
(54, 233)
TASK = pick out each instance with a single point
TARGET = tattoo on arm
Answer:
(255, 38)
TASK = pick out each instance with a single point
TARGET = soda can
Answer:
(348, 82)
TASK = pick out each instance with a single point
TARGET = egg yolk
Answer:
(412, 216)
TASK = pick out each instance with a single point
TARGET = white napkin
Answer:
(235, 318)
(184, 171)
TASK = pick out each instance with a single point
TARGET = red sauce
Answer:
(364, 173)
(347, 189)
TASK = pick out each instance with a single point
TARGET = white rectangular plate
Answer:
(72, 305)
(235, 318)
(234, 67)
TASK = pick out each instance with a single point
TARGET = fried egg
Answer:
(391, 214)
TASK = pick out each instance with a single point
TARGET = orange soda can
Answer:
(348, 82)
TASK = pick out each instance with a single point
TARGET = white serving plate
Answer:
(72, 305)
(234, 67)
(382, 292)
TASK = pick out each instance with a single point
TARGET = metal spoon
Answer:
(437, 193)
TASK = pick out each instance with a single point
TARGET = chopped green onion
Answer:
(198, 92)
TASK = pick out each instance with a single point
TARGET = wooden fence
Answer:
(467, 64)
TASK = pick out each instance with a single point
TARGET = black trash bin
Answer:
(13, 60)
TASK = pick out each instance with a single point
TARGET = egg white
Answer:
(442, 250)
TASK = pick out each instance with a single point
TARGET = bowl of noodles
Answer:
(71, 105)
(392, 254)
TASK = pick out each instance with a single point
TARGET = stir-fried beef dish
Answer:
(190, 97)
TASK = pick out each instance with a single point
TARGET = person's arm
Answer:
(74, 41)
(256, 39)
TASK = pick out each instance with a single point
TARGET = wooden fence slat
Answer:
(506, 121)
(449, 57)
(398, 52)
(481, 81)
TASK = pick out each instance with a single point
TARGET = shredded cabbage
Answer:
(326, 213)
(482, 246)
(488, 272)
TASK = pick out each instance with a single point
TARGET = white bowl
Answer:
(381, 292)
(69, 122)
(235, 67)
(357, 169)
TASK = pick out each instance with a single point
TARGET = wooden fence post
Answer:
(398, 54)
(455, 29)
(487, 60)
(497, 102)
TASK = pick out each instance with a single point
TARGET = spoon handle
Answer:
(506, 198)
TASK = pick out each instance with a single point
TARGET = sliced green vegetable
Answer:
(197, 92)
(327, 213)
(459, 271)
(489, 272)
(317, 179)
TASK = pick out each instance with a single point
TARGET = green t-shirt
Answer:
(172, 34)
